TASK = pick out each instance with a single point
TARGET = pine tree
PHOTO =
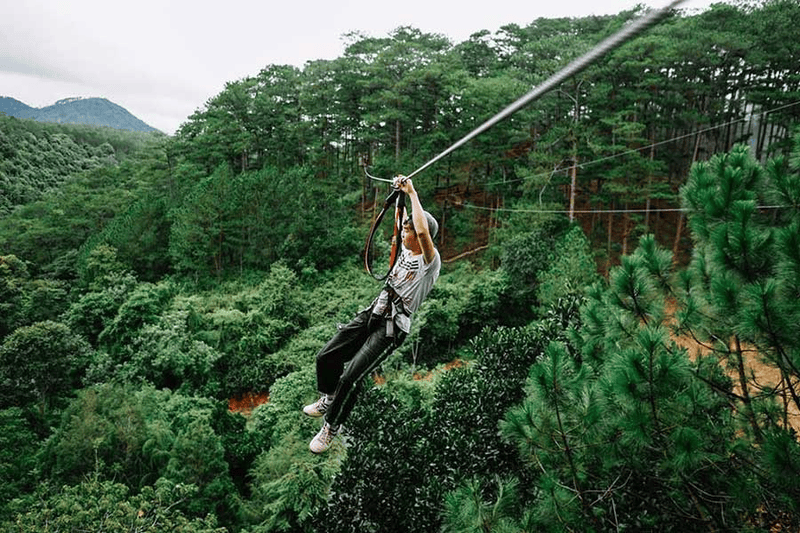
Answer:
(625, 436)
(467, 511)
(740, 296)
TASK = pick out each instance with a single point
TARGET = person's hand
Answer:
(404, 184)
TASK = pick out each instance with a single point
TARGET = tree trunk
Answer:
(626, 230)
(676, 244)
(608, 244)
(649, 183)
(789, 391)
(748, 408)
(397, 140)
(573, 178)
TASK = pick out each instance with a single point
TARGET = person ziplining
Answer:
(358, 347)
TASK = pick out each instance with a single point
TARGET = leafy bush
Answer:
(104, 505)
(134, 435)
(17, 455)
(460, 305)
(40, 363)
(197, 458)
(434, 332)
(44, 299)
(453, 435)
(281, 415)
(114, 431)
(250, 328)
(570, 268)
(166, 355)
(387, 485)
(290, 486)
(241, 445)
(109, 285)
(485, 303)
(288, 483)
(142, 306)
(524, 256)
(469, 401)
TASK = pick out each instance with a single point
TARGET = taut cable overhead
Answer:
(625, 34)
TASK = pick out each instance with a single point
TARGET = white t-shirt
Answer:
(412, 280)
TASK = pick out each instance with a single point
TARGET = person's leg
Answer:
(344, 344)
(332, 358)
(377, 347)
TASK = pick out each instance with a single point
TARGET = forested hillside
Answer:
(38, 157)
(648, 204)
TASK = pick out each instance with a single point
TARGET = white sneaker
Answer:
(318, 408)
(322, 441)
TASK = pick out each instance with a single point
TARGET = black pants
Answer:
(352, 354)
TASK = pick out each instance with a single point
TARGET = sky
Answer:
(164, 59)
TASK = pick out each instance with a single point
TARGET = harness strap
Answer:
(394, 307)
(397, 197)
(395, 299)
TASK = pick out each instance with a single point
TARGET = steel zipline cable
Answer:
(625, 34)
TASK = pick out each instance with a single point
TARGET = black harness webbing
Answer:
(397, 197)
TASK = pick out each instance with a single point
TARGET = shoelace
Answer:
(323, 406)
(328, 433)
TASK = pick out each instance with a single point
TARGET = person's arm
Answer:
(419, 219)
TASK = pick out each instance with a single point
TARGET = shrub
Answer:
(104, 505)
(142, 305)
(17, 455)
(41, 362)
(409, 449)
(570, 268)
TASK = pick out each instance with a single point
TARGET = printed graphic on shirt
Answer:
(412, 279)
(405, 270)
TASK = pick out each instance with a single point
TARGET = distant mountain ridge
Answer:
(77, 110)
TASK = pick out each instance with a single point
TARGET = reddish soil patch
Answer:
(245, 404)
(379, 379)
(427, 376)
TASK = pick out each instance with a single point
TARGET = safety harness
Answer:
(394, 303)
(398, 198)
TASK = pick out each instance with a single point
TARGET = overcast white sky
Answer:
(163, 59)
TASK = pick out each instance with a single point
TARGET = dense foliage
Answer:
(37, 157)
(570, 371)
